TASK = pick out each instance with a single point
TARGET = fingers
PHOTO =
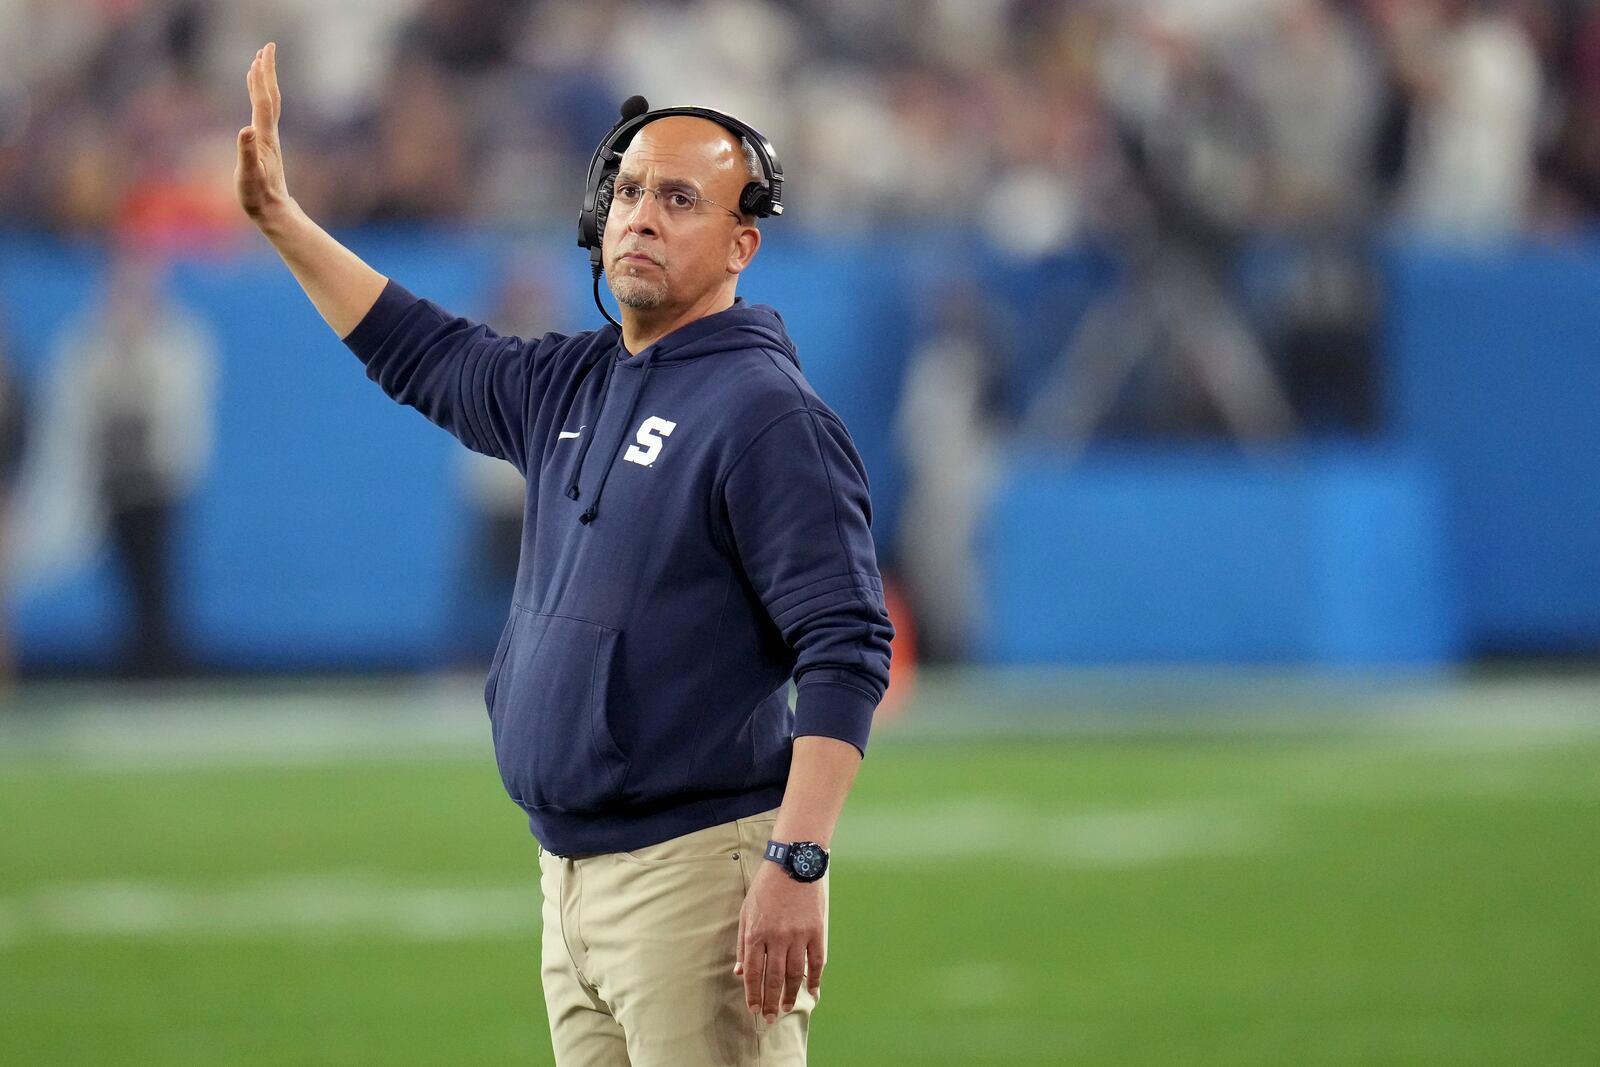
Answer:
(753, 957)
(773, 974)
(794, 974)
(738, 947)
(260, 117)
(272, 79)
(262, 82)
(259, 180)
(814, 965)
(773, 977)
(772, 985)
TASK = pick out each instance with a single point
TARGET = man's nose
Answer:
(646, 214)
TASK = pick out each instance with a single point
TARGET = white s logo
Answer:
(651, 431)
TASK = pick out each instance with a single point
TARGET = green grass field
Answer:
(305, 878)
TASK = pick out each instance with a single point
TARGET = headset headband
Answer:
(763, 198)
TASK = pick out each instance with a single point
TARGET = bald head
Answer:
(718, 161)
(675, 240)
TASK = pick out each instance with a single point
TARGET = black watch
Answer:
(805, 861)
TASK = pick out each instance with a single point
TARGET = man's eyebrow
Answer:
(670, 183)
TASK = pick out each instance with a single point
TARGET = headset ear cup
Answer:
(753, 201)
(602, 206)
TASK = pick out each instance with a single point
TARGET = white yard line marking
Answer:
(191, 727)
(991, 827)
(362, 906)
(316, 907)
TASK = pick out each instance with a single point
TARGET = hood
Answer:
(741, 327)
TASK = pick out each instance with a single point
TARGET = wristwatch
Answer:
(804, 861)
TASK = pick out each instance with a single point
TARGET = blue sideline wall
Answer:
(1495, 362)
(332, 526)
(1323, 555)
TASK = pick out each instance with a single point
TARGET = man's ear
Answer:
(743, 248)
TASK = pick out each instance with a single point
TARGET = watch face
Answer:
(808, 862)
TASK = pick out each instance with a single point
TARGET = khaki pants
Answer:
(638, 953)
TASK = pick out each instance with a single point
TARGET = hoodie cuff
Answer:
(834, 709)
(380, 321)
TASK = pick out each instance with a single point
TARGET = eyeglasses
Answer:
(675, 202)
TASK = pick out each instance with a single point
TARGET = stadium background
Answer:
(1225, 373)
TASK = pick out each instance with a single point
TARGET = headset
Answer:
(762, 198)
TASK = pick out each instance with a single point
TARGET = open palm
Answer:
(258, 176)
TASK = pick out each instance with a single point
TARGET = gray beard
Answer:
(635, 292)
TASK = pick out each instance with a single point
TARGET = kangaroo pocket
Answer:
(547, 709)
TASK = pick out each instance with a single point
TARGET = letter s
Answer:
(651, 431)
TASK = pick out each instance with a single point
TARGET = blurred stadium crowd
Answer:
(1033, 119)
(1175, 142)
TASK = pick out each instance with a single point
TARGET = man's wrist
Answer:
(280, 219)
(804, 861)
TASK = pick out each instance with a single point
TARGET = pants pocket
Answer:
(548, 711)
(754, 833)
(714, 844)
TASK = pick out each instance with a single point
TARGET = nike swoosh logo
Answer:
(567, 435)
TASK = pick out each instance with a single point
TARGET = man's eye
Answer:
(628, 191)
(681, 201)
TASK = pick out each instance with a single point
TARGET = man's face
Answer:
(660, 259)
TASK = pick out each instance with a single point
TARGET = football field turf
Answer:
(310, 876)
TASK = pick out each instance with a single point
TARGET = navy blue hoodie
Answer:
(696, 533)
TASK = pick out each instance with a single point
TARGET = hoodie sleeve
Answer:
(461, 375)
(800, 516)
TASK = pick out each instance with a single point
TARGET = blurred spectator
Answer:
(1322, 92)
(1573, 193)
(134, 390)
(947, 431)
(419, 165)
(463, 37)
(13, 436)
(523, 306)
(1319, 89)
(975, 113)
(1474, 81)
(1171, 351)
(1178, 133)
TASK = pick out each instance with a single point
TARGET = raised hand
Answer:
(341, 286)
(258, 176)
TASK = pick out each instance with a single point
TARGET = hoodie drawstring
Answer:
(583, 448)
(742, 326)
(627, 420)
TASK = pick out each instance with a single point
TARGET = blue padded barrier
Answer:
(1495, 360)
(1329, 557)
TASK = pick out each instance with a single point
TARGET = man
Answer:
(140, 372)
(13, 443)
(638, 698)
